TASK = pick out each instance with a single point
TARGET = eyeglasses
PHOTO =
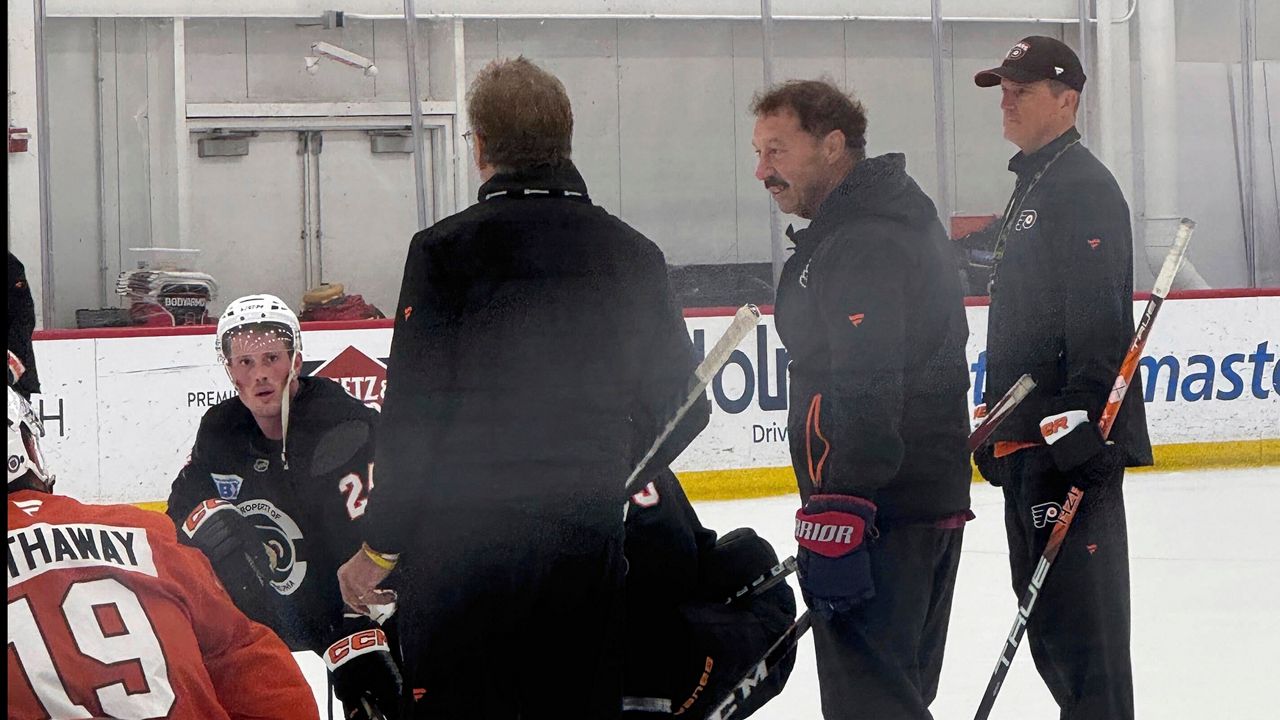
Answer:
(467, 136)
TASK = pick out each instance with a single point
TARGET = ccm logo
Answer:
(372, 640)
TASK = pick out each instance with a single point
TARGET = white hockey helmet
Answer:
(258, 313)
(25, 431)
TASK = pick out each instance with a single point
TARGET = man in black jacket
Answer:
(538, 352)
(870, 309)
(274, 494)
(22, 322)
(1062, 310)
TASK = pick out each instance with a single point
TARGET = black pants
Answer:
(1079, 627)
(510, 616)
(882, 660)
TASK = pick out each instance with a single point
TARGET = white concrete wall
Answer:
(663, 132)
(23, 168)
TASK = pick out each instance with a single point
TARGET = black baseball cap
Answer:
(1036, 58)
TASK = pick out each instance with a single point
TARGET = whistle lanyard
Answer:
(1011, 214)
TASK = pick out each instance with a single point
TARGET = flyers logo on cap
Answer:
(1018, 50)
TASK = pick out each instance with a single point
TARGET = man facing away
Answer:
(870, 310)
(538, 353)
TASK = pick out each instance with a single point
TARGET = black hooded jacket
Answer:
(871, 312)
(538, 352)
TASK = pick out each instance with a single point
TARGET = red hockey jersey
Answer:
(110, 616)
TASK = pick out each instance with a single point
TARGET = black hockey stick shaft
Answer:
(744, 321)
(772, 577)
(761, 669)
(1164, 282)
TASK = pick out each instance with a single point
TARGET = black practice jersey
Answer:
(308, 514)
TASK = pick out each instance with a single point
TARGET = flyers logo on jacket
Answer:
(362, 376)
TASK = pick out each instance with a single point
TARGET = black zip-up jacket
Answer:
(871, 312)
(1062, 299)
(22, 322)
(538, 352)
(310, 515)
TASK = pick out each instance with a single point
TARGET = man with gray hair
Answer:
(538, 353)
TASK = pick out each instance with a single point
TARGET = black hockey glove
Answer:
(988, 465)
(231, 542)
(1077, 449)
(365, 676)
(835, 569)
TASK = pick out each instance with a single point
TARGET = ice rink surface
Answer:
(1205, 575)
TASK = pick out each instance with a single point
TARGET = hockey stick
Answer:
(791, 636)
(775, 575)
(1000, 411)
(761, 669)
(1172, 263)
(746, 319)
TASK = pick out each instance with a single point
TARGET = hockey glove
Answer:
(988, 466)
(1077, 449)
(231, 543)
(835, 569)
(365, 676)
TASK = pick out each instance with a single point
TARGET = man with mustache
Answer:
(870, 309)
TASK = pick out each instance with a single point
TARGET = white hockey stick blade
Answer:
(744, 321)
(1173, 261)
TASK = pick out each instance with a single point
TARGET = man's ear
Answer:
(833, 145)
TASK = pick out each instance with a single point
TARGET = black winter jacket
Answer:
(538, 352)
(22, 322)
(870, 310)
(310, 514)
(1062, 297)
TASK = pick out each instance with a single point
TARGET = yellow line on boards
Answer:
(771, 481)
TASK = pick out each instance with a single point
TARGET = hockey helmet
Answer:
(265, 314)
(25, 431)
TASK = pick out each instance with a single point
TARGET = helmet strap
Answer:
(285, 399)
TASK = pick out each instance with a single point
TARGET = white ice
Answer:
(1205, 574)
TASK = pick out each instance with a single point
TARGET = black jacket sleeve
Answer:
(1091, 243)
(420, 357)
(22, 323)
(853, 430)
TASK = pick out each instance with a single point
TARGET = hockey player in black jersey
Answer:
(687, 647)
(273, 494)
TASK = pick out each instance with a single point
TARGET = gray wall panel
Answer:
(392, 82)
(1207, 30)
(678, 144)
(133, 138)
(1208, 180)
(276, 49)
(216, 62)
(73, 129)
(890, 72)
